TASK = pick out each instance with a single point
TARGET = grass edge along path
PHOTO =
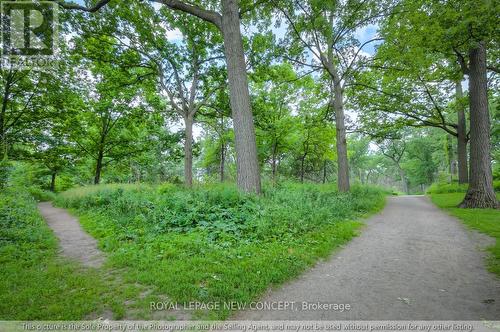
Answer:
(486, 221)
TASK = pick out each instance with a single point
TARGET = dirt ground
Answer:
(73, 241)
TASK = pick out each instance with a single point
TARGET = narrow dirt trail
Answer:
(412, 262)
(74, 242)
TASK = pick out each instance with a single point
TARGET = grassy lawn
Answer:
(213, 244)
(169, 244)
(36, 283)
(486, 221)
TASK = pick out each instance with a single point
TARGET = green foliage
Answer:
(220, 212)
(482, 220)
(204, 244)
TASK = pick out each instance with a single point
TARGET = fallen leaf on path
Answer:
(404, 299)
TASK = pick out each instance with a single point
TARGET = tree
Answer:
(228, 23)
(113, 120)
(480, 193)
(394, 149)
(325, 31)
(184, 68)
(461, 31)
(218, 135)
(462, 136)
(20, 91)
(415, 87)
(275, 90)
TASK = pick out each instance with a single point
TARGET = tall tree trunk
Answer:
(343, 168)
(302, 168)
(188, 151)
(463, 171)
(450, 154)
(324, 171)
(273, 162)
(98, 167)
(53, 182)
(3, 130)
(222, 160)
(402, 175)
(480, 193)
(247, 166)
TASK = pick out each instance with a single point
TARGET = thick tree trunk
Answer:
(247, 165)
(98, 167)
(480, 193)
(463, 171)
(343, 168)
(188, 151)
(53, 182)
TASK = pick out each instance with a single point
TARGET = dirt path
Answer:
(411, 262)
(74, 242)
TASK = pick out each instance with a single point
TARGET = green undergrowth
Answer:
(213, 244)
(486, 221)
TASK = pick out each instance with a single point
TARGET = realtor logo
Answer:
(29, 28)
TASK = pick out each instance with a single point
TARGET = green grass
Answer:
(36, 283)
(167, 243)
(213, 244)
(486, 221)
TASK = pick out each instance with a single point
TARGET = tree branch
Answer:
(206, 15)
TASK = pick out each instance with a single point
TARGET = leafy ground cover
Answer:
(212, 244)
(486, 221)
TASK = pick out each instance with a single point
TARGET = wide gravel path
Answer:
(411, 262)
